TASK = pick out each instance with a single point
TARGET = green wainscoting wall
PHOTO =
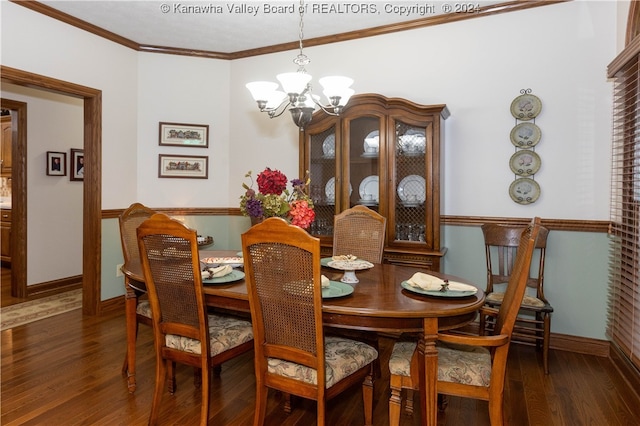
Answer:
(576, 276)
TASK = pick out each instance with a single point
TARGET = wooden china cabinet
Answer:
(384, 153)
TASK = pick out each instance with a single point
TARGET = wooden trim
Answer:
(55, 286)
(78, 23)
(504, 7)
(581, 345)
(551, 224)
(628, 372)
(564, 342)
(19, 199)
(92, 187)
(113, 304)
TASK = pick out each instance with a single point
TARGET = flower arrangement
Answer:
(273, 199)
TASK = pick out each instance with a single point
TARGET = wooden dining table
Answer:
(378, 303)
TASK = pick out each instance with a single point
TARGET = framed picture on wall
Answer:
(76, 172)
(56, 163)
(183, 166)
(190, 135)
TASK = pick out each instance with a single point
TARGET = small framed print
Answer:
(190, 135)
(56, 163)
(76, 172)
(183, 166)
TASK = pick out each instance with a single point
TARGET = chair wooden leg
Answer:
(161, 373)
(129, 365)
(367, 399)
(205, 387)
(409, 402)
(287, 402)
(495, 412)
(395, 401)
(261, 405)
(171, 377)
(545, 343)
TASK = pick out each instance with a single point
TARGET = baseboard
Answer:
(564, 342)
(54, 287)
(628, 372)
(581, 345)
(113, 304)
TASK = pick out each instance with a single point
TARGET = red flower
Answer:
(271, 182)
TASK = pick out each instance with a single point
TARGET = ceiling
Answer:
(236, 26)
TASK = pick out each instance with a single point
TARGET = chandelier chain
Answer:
(301, 60)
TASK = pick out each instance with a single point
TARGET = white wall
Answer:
(476, 67)
(54, 203)
(182, 89)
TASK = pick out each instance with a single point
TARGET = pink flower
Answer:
(301, 214)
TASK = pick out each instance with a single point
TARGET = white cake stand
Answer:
(350, 267)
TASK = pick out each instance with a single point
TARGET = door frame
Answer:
(92, 188)
(18, 246)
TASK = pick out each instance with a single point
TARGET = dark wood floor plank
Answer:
(66, 370)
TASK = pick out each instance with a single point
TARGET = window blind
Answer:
(624, 295)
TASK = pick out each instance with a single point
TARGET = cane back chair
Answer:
(470, 366)
(533, 325)
(138, 309)
(181, 324)
(359, 231)
(292, 355)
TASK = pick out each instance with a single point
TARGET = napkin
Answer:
(431, 283)
(206, 274)
(325, 281)
(221, 271)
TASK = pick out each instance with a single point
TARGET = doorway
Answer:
(92, 188)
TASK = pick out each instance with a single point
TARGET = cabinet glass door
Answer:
(323, 191)
(363, 151)
(410, 179)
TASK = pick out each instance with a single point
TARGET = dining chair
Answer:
(140, 309)
(292, 354)
(533, 324)
(181, 324)
(359, 231)
(470, 366)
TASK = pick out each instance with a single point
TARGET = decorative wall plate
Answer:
(524, 191)
(526, 107)
(525, 163)
(525, 135)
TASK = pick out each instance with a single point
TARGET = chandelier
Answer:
(297, 94)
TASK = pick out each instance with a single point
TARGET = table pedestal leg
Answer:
(428, 372)
(129, 368)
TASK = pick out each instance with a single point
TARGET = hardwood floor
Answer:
(65, 370)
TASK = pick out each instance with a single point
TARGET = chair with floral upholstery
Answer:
(292, 355)
(136, 308)
(359, 231)
(470, 366)
(169, 254)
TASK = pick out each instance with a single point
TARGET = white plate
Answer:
(350, 265)
(526, 107)
(369, 185)
(525, 163)
(524, 191)
(412, 189)
(372, 142)
(213, 262)
(413, 141)
(525, 135)
(330, 190)
(329, 146)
